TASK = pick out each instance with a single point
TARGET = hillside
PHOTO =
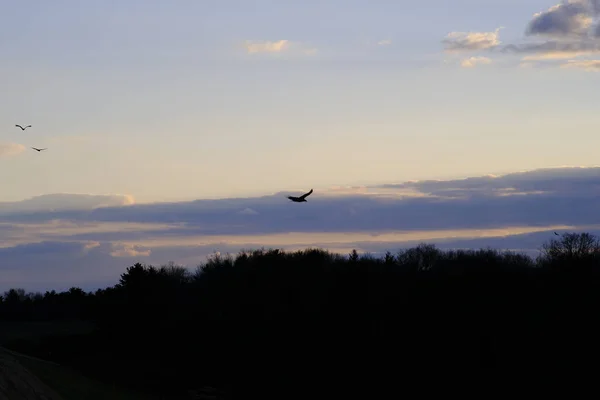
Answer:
(18, 383)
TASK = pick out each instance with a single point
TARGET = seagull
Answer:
(301, 198)
(19, 126)
(35, 148)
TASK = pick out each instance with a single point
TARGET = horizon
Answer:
(57, 241)
(172, 131)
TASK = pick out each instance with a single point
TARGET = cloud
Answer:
(64, 201)
(469, 41)
(587, 65)
(129, 250)
(570, 18)
(11, 149)
(473, 61)
(57, 265)
(248, 211)
(570, 29)
(92, 246)
(253, 47)
(553, 49)
(278, 47)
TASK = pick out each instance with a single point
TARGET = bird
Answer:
(556, 234)
(301, 198)
(35, 148)
(19, 126)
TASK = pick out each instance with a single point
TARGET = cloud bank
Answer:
(89, 240)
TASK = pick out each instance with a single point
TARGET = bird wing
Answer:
(28, 126)
(305, 195)
(19, 126)
(35, 148)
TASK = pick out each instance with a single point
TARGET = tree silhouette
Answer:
(268, 314)
(571, 250)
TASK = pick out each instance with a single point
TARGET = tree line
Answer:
(271, 314)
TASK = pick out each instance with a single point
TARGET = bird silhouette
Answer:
(301, 198)
(556, 234)
(19, 126)
(35, 148)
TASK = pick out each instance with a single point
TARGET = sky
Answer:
(145, 102)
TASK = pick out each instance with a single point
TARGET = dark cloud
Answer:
(58, 265)
(88, 247)
(555, 48)
(543, 197)
(565, 19)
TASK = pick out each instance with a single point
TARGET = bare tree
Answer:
(571, 246)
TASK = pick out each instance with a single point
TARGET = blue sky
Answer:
(154, 101)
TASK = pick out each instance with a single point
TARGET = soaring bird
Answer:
(19, 126)
(35, 148)
(301, 198)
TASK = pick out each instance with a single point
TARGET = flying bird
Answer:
(556, 234)
(19, 126)
(35, 148)
(301, 198)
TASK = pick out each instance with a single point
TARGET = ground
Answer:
(29, 378)
(18, 383)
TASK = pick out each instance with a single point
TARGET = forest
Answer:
(270, 315)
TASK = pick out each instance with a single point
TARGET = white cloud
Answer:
(90, 245)
(469, 41)
(129, 250)
(253, 47)
(473, 61)
(279, 47)
(11, 149)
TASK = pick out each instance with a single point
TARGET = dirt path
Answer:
(17, 383)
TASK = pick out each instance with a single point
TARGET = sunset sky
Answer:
(144, 101)
(194, 99)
